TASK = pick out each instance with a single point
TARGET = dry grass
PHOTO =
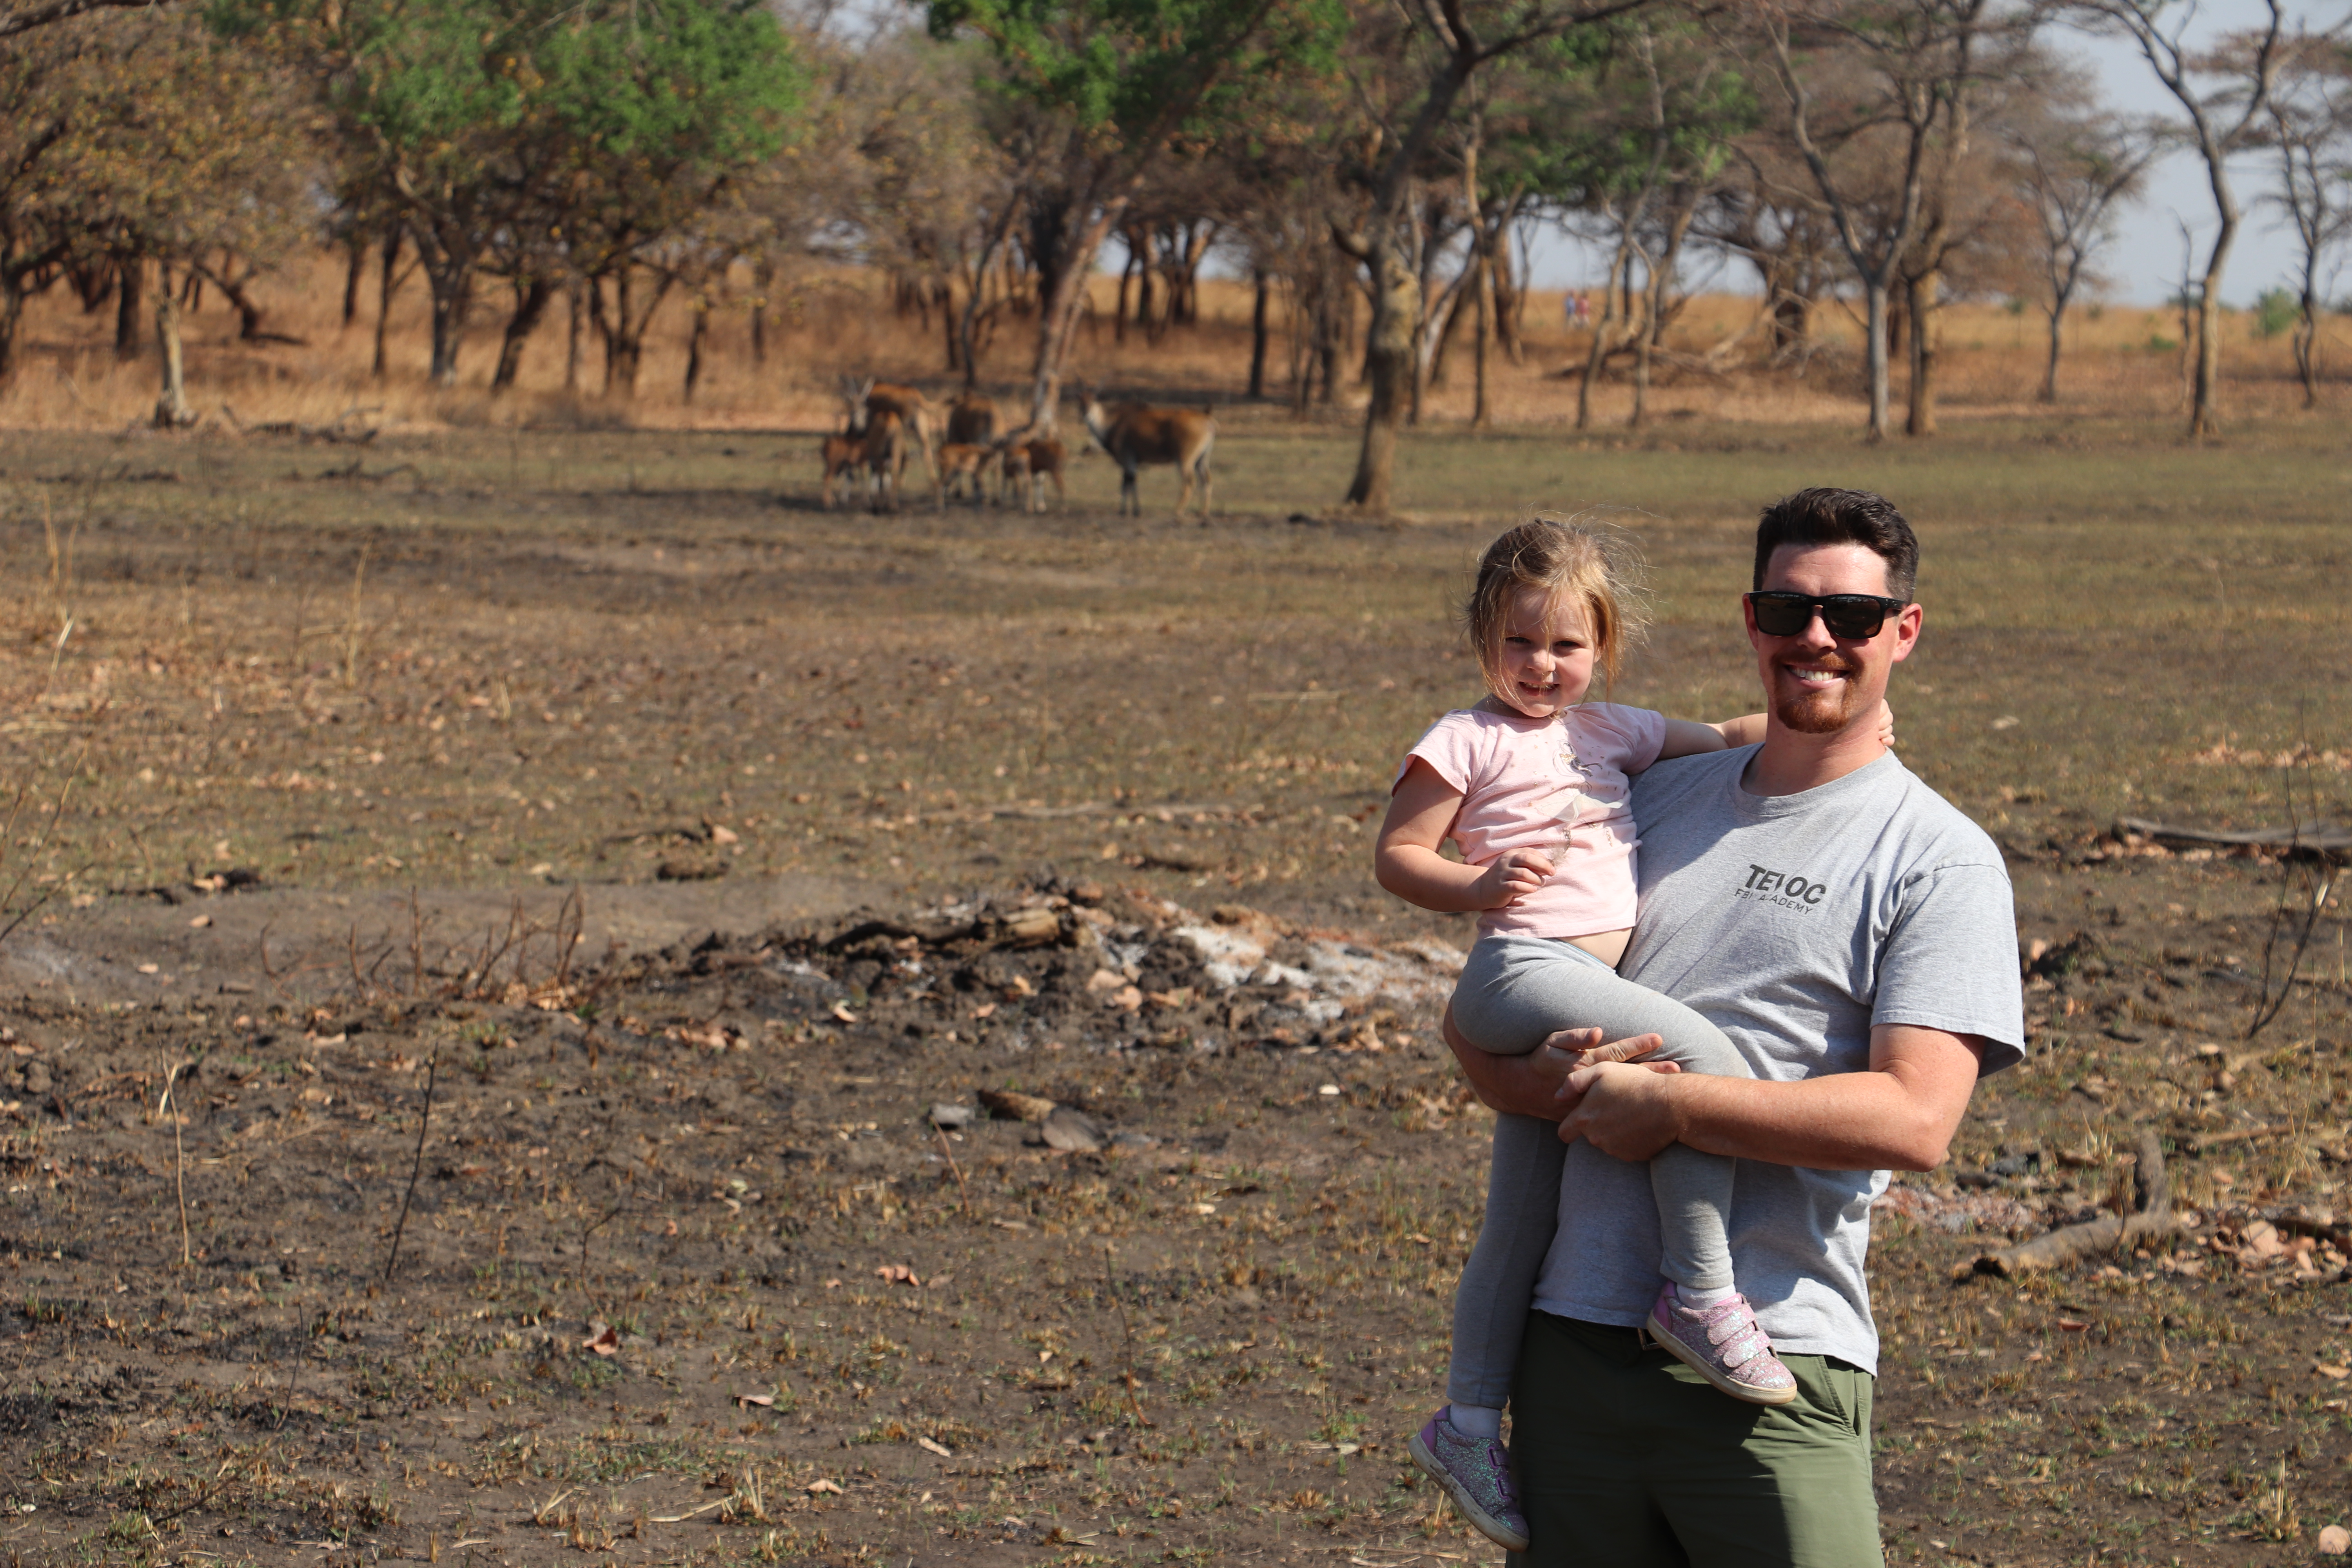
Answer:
(825, 323)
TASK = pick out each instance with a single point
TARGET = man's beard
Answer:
(1822, 710)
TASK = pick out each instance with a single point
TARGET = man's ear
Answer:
(1906, 630)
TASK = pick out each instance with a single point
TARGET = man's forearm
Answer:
(1899, 1115)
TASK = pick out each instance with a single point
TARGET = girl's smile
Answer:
(1545, 662)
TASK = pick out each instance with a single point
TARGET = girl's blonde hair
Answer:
(1566, 558)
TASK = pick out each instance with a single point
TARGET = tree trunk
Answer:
(2205, 400)
(12, 317)
(572, 341)
(530, 307)
(172, 410)
(699, 341)
(1389, 367)
(1596, 352)
(2307, 349)
(387, 284)
(129, 306)
(764, 278)
(1875, 335)
(1920, 303)
(355, 247)
(951, 326)
(1125, 282)
(1502, 276)
(1056, 319)
(2057, 316)
(451, 281)
(625, 329)
(1258, 335)
(1480, 414)
(1146, 308)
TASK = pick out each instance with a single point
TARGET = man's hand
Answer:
(1530, 1085)
(1899, 1114)
(1617, 1107)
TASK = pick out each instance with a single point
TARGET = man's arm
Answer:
(1900, 1115)
(1531, 1085)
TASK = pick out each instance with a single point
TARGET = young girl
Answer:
(1531, 786)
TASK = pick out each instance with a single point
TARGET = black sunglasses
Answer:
(1851, 616)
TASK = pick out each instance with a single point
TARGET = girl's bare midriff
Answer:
(1608, 946)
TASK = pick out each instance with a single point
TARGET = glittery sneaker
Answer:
(1477, 1474)
(1723, 1344)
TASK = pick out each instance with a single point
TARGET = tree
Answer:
(1902, 70)
(1122, 78)
(2073, 166)
(2222, 116)
(2311, 143)
(188, 151)
(1450, 42)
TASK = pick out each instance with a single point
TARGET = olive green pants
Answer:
(1627, 1459)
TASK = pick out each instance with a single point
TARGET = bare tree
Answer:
(2074, 168)
(2311, 140)
(2223, 115)
(1918, 57)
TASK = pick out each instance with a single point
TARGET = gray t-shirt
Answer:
(1793, 923)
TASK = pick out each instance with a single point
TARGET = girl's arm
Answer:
(1685, 738)
(1406, 861)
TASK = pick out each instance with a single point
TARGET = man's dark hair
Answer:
(1842, 517)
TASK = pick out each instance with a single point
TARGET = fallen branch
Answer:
(2243, 1134)
(2151, 1218)
(2312, 837)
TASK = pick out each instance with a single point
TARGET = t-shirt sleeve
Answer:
(1950, 960)
(1451, 747)
(1634, 736)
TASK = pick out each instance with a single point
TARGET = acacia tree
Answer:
(2223, 98)
(2311, 145)
(1448, 43)
(2073, 167)
(189, 148)
(1122, 78)
(1886, 82)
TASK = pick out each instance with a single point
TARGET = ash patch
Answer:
(1065, 965)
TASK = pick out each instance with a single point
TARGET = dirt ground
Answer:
(496, 1046)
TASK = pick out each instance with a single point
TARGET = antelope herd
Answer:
(883, 425)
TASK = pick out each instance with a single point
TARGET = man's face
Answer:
(1815, 683)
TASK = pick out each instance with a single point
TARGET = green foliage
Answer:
(1136, 69)
(1574, 115)
(2275, 312)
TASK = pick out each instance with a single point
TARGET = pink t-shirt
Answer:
(1530, 783)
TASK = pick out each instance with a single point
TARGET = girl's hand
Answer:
(1885, 725)
(1510, 876)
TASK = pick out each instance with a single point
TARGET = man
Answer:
(1853, 933)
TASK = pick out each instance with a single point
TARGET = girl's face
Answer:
(1546, 654)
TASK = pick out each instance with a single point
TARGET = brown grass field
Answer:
(542, 839)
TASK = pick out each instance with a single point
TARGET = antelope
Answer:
(917, 413)
(844, 453)
(1135, 434)
(1028, 459)
(960, 462)
(972, 420)
(884, 456)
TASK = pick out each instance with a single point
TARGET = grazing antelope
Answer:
(1135, 434)
(844, 453)
(918, 414)
(1028, 461)
(961, 463)
(884, 454)
(972, 420)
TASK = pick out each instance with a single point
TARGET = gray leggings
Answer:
(1515, 991)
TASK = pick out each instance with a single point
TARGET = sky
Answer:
(2143, 266)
